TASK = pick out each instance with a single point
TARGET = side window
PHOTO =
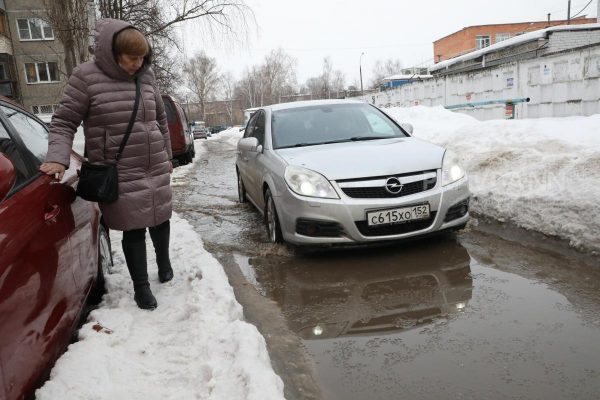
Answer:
(259, 129)
(250, 126)
(9, 148)
(171, 118)
(33, 133)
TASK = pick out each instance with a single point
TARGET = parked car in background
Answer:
(201, 133)
(54, 250)
(218, 128)
(182, 140)
(343, 171)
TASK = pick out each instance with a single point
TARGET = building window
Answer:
(3, 72)
(44, 109)
(502, 36)
(41, 72)
(482, 41)
(34, 29)
(6, 89)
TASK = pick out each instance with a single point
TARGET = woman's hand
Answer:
(52, 168)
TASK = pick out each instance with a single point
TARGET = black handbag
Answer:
(100, 182)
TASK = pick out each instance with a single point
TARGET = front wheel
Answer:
(104, 265)
(241, 189)
(272, 219)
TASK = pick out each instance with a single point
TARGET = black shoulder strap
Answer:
(131, 120)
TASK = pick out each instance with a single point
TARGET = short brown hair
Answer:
(131, 41)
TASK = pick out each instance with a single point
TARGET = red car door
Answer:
(39, 296)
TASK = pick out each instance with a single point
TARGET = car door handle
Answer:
(51, 214)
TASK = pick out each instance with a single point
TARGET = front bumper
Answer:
(350, 215)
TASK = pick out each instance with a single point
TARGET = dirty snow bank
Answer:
(541, 174)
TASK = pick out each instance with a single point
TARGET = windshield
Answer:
(323, 124)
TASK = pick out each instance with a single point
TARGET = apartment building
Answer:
(32, 68)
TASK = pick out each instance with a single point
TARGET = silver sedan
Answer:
(343, 171)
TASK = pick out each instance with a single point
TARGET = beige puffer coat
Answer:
(101, 94)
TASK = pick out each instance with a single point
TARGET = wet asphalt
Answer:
(494, 312)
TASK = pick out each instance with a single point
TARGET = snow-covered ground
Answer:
(195, 345)
(541, 174)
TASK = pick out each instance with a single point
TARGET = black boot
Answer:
(135, 256)
(160, 238)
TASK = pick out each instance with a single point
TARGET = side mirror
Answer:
(8, 176)
(407, 127)
(249, 144)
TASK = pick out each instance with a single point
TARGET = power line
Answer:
(583, 9)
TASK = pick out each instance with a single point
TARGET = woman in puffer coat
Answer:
(101, 93)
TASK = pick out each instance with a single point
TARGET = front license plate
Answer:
(398, 215)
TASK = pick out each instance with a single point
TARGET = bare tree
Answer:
(278, 76)
(248, 89)
(330, 82)
(156, 18)
(228, 94)
(338, 82)
(70, 21)
(384, 69)
(314, 86)
(203, 78)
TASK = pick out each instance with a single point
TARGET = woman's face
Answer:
(131, 64)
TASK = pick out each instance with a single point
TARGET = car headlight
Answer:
(306, 182)
(451, 170)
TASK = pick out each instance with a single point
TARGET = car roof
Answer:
(309, 103)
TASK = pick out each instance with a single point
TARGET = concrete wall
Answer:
(558, 85)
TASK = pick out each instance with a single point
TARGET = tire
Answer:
(104, 265)
(241, 189)
(272, 219)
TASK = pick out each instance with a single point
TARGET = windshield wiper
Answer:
(355, 139)
(359, 138)
(298, 145)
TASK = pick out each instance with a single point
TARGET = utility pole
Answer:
(569, 13)
(360, 71)
(598, 12)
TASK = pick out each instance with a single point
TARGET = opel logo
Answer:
(393, 185)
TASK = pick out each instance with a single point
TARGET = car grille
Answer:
(395, 229)
(381, 193)
(375, 187)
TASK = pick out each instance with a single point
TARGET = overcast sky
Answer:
(310, 30)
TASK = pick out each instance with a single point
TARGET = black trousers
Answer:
(138, 235)
(134, 247)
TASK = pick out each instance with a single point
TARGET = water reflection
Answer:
(368, 292)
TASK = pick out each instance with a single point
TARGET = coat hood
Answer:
(105, 32)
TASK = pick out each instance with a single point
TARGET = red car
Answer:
(182, 139)
(53, 251)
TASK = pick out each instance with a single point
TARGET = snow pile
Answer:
(195, 345)
(542, 174)
(232, 135)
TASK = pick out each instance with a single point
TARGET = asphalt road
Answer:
(493, 312)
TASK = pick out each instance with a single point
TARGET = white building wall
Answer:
(558, 85)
